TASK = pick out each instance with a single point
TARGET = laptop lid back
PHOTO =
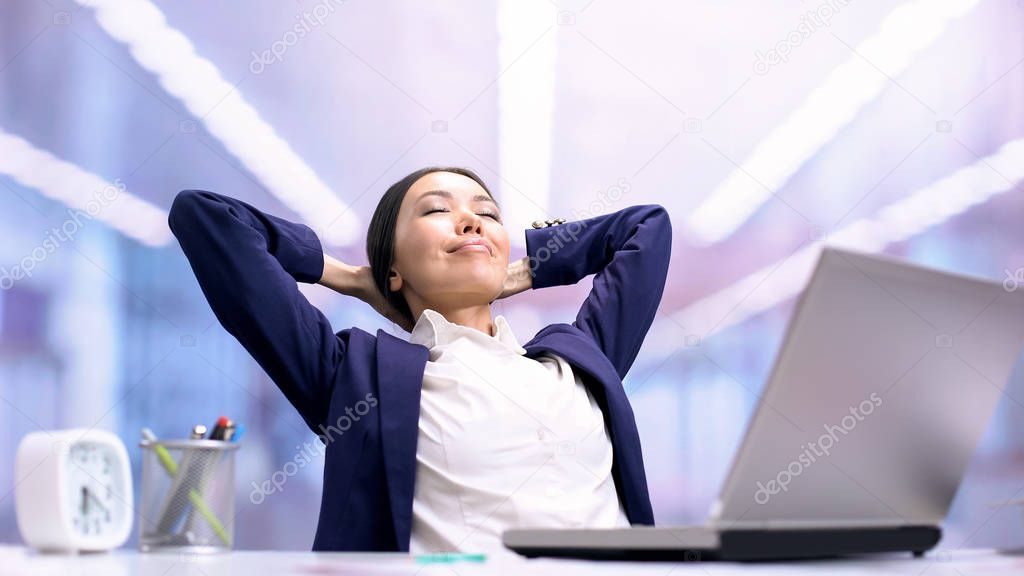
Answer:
(886, 380)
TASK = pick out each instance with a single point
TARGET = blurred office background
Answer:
(765, 129)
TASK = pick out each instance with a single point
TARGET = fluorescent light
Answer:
(197, 82)
(921, 210)
(903, 34)
(526, 108)
(82, 190)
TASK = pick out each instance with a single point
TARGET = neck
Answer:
(478, 316)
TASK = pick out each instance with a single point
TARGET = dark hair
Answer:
(380, 237)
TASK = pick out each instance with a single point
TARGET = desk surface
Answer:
(18, 560)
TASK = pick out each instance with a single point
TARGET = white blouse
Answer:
(505, 441)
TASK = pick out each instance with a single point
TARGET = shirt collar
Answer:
(433, 329)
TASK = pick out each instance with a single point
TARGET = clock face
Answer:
(94, 493)
(80, 494)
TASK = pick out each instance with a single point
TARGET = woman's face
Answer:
(451, 248)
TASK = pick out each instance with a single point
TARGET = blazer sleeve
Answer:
(629, 250)
(247, 264)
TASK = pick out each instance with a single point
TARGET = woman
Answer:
(441, 442)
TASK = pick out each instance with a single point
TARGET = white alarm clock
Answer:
(74, 490)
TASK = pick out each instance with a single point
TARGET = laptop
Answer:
(884, 384)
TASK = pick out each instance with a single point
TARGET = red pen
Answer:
(218, 429)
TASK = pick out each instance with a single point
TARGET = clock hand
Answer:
(85, 501)
(95, 498)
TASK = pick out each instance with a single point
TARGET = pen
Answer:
(218, 429)
(449, 558)
(239, 431)
(204, 460)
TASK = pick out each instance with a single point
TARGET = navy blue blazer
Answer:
(247, 264)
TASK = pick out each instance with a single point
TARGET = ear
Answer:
(394, 281)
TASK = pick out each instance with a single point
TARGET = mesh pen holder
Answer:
(187, 500)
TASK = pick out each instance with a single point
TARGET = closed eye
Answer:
(491, 215)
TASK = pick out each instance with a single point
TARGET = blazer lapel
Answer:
(400, 367)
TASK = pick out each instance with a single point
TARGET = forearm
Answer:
(343, 278)
(564, 255)
(357, 281)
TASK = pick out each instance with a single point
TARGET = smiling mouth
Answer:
(469, 248)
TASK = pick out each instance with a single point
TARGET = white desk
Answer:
(20, 561)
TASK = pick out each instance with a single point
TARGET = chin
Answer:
(482, 270)
(470, 287)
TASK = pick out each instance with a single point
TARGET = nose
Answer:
(469, 223)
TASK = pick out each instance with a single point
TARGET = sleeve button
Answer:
(539, 224)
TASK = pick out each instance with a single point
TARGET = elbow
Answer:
(658, 217)
(186, 208)
(661, 214)
(653, 220)
(183, 206)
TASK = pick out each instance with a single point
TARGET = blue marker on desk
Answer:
(450, 558)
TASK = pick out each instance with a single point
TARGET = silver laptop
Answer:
(886, 381)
